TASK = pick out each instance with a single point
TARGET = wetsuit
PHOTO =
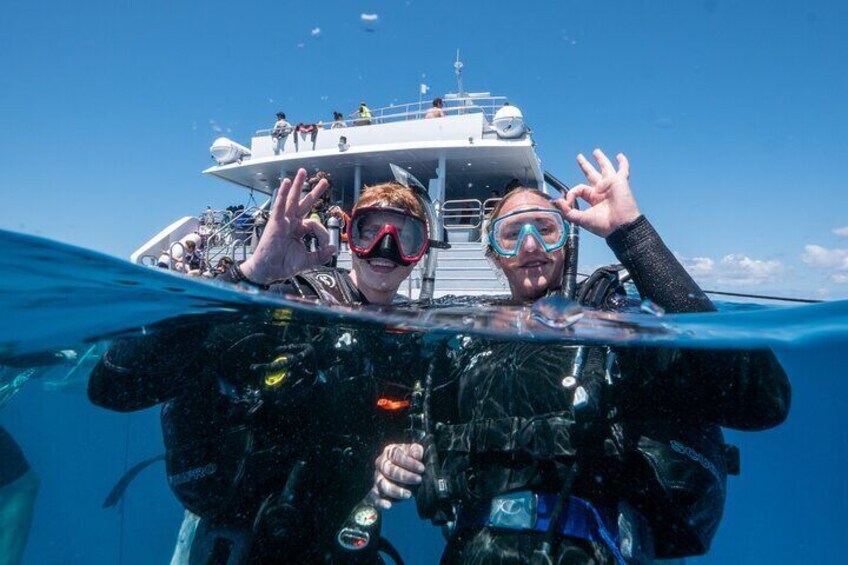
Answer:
(13, 464)
(18, 482)
(272, 457)
(637, 438)
(14, 372)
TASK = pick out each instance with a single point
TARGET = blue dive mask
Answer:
(548, 227)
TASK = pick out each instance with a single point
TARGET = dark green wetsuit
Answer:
(508, 423)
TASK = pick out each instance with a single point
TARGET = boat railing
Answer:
(237, 234)
(175, 249)
(462, 219)
(148, 260)
(462, 213)
(452, 106)
(489, 206)
(235, 248)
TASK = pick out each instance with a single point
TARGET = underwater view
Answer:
(405, 282)
(80, 452)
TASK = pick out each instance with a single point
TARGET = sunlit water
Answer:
(788, 506)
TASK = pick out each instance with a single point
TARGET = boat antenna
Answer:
(457, 67)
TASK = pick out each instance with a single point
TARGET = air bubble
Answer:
(648, 307)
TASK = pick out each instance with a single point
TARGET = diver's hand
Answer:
(399, 464)
(281, 252)
(611, 202)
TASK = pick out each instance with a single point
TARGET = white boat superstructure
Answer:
(461, 154)
(466, 159)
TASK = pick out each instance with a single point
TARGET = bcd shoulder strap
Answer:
(331, 286)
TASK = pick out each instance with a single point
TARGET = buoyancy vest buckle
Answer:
(514, 510)
(276, 372)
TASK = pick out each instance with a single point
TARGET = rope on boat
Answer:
(758, 296)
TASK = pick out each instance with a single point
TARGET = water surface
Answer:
(788, 505)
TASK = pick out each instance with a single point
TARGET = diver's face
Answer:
(379, 278)
(533, 271)
(378, 275)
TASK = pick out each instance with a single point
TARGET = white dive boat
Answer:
(465, 159)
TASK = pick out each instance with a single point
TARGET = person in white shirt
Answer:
(280, 133)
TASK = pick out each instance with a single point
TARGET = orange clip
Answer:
(389, 404)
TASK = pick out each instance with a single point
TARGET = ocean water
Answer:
(788, 505)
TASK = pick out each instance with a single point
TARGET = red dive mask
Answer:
(388, 233)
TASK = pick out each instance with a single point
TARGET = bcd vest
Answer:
(532, 419)
(225, 450)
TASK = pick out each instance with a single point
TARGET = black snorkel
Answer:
(568, 288)
(428, 280)
(434, 496)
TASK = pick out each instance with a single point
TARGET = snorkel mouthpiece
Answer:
(387, 248)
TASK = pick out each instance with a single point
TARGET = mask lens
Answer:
(547, 226)
(368, 226)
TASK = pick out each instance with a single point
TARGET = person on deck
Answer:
(192, 261)
(364, 115)
(436, 111)
(280, 132)
(338, 121)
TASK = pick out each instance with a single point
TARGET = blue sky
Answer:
(732, 113)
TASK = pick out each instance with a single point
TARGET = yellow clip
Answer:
(276, 377)
(281, 316)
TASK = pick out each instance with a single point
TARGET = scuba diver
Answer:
(18, 491)
(270, 425)
(19, 483)
(539, 453)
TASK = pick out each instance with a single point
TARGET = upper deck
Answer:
(476, 148)
(466, 158)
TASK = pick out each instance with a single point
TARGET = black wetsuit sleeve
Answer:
(744, 389)
(140, 372)
(13, 464)
(657, 273)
